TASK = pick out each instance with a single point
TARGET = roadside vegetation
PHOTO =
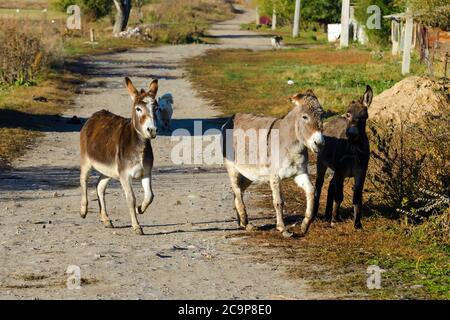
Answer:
(413, 251)
(407, 193)
(35, 46)
(258, 81)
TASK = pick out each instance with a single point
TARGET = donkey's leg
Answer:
(321, 170)
(278, 203)
(304, 182)
(131, 201)
(244, 183)
(239, 183)
(357, 199)
(85, 168)
(148, 194)
(101, 187)
(338, 197)
(330, 200)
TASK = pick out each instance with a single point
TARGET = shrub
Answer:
(92, 8)
(26, 47)
(22, 55)
(410, 166)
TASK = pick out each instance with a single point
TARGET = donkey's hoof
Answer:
(83, 213)
(287, 234)
(250, 227)
(139, 210)
(299, 234)
(108, 224)
(358, 226)
(139, 231)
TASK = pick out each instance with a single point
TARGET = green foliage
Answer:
(434, 13)
(94, 8)
(377, 36)
(321, 11)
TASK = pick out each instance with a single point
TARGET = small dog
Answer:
(276, 42)
(164, 112)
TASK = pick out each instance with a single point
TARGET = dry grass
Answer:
(24, 4)
(39, 280)
(336, 259)
(18, 109)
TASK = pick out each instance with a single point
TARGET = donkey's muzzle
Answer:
(151, 132)
(316, 142)
(353, 134)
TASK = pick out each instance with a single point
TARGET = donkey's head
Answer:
(308, 120)
(357, 115)
(144, 108)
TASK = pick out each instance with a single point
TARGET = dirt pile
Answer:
(410, 99)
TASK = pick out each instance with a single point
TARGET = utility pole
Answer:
(345, 21)
(295, 30)
(407, 42)
(274, 18)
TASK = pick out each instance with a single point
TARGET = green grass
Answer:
(243, 80)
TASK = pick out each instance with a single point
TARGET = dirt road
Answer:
(188, 250)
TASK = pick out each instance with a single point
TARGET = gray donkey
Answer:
(347, 153)
(285, 141)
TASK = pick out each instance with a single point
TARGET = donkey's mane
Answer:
(313, 104)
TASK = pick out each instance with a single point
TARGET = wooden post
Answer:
(92, 35)
(295, 30)
(274, 19)
(345, 21)
(407, 44)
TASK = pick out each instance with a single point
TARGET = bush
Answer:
(410, 166)
(92, 8)
(27, 47)
(22, 55)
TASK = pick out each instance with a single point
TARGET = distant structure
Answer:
(355, 30)
(432, 44)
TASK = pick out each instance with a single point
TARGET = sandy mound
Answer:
(410, 99)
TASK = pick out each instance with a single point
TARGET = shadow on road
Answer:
(194, 127)
(39, 122)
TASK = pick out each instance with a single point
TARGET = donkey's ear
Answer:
(131, 89)
(366, 99)
(154, 87)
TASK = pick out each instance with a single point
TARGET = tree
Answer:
(122, 15)
(322, 11)
(378, 36)
(434, 13)
(95, 9)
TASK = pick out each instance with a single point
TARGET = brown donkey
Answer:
(347, 153)
(280, 150)
(120, 148)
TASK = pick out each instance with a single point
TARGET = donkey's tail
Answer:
(227, 139)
